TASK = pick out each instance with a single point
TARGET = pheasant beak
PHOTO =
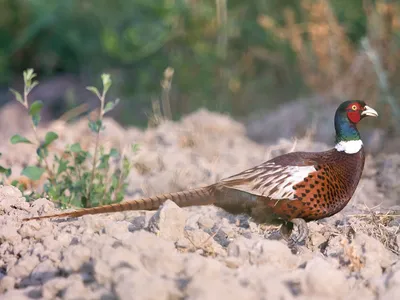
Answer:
(368, 111)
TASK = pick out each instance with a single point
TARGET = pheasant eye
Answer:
(354, 107)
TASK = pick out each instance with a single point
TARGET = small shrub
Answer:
(76, 177)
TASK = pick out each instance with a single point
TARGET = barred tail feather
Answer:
(195, 197)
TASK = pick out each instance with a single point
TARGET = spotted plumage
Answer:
(321, 185)
(290, 189)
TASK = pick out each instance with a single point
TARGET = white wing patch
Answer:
(269, 180)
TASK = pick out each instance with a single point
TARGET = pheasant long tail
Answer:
(195, 197)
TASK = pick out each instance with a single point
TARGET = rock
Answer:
(262, 252)
(52, 287)
(8, 192)
(22, 294)
(75, 289)
(206, 222)
(6, 283)
(201, 281)
(169, 221)
(35, 230)
(93, 224)
(130, 284)
(24, 266)
(43, 272)
(141, 221)
(9, 234)
(74, 257)
(324, 280)
(111, 258)
(10, 199)
(61, 240)
(150, 248)
(316, 236)
(102, 271)
(392, 293)
(117, 230)
(393, 279)
(377, 257)
(41, 207)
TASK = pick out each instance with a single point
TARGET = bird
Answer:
(288, 190)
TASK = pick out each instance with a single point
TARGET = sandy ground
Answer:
(197, 252)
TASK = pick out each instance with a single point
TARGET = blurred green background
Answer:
(229, 56)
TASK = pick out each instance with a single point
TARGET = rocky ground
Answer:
(198, 252)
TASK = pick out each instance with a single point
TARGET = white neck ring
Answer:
(349, 147)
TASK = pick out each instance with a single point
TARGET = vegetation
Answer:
(74, 177)
(232, 56)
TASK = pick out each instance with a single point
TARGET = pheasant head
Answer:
(348, 114)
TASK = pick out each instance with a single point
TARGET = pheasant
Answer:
(288, 190)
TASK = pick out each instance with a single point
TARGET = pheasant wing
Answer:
(273, 179)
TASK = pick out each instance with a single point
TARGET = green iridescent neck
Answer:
(345, 130)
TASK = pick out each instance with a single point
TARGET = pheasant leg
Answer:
(287, 233)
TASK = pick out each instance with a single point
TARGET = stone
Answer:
(168, 222)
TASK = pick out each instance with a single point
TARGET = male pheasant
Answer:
(290, 189)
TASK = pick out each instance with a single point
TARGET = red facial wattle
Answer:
(354, 116)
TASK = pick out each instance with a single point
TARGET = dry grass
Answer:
(377, 225)
(331, 64)
(206, 245)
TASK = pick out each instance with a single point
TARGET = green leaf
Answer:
(5, 171)
(126, 166)
(94, 91)
(36, 119)
(111, 105)
(81, 157)
(114, 152)
(15, 182)
(35, 108)
(135, 147)
(50, 137)
(33, 84)
(106, 82)
(17, 95)
(114, 181)
(96, 126)
(104, 162)
(34, 111)
(33, 172)
(17, 139)
(76, 148)
(42, 152)
(62, 166)
(28, 75)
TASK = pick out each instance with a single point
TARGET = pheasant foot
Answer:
(292, 239)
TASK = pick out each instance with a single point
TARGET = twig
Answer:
(166, 84)
(27, 90)
(201, 246)
(374, 215)
(96, 147)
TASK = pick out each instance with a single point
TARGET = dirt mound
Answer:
(197, 252)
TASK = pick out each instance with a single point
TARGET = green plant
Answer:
(5, 173)
(76, 177)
